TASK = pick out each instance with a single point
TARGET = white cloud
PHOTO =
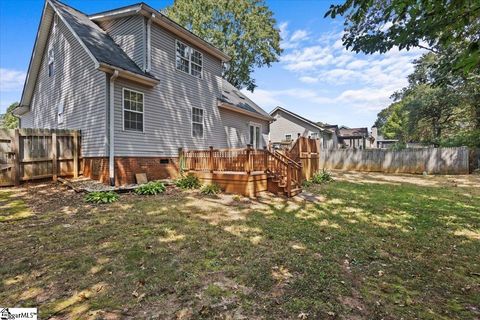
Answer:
(307, 79)
(11, 80)
(293, 41)
(299, 35)
(363, 82)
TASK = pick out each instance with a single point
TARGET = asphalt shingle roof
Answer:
(233, 96)
(98, 42)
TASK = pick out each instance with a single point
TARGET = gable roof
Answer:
(104, 52)
(97, 41)
(353, 132)
(298, 117)
(234, 98)
(164, 21)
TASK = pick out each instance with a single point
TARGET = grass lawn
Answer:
(368, 248)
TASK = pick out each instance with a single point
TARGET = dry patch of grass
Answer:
(361, 250)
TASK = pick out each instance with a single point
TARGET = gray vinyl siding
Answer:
(78, 85)
(237, 129)
(287, 124)
(167, 109)
(26, 120)
(129, 33)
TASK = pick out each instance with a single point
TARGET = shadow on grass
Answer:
(374, 251)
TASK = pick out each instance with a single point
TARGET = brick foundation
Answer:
(127, 167)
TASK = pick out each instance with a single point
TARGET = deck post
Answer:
(54, 156)
(265, 158)
(181, 161)
(75, 154)
(248, 158)
(210, 159)
(15, 148)
(289, 179)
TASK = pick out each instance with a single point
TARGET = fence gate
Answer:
(6, 158)
(28, 154)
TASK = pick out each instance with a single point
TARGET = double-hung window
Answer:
(132, 110)
(50, 62)
(197, 122)
(188, 60)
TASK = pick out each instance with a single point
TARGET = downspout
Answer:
(149, 44)
(111, 127)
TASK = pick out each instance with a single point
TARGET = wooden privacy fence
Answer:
(306, 152)
(430, 160)
(27, 154)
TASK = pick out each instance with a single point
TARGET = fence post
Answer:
(210, 159)
(75, 154)
(55, 157)
(248, 159)
(15, 148)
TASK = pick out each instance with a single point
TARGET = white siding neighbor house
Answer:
(138, 86)
(288, 126)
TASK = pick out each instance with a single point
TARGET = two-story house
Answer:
(138, 86)
(288, 126)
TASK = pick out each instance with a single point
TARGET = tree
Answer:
(379, 25)
(8, 120)
(243, 29)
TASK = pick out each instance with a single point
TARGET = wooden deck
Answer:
(244, 171)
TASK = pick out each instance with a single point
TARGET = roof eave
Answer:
(231, 107)
(129, 75)
(20, 110)
(298, 117)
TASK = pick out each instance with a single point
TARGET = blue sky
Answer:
(315, 77)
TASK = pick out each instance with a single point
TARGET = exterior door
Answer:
(255, 136)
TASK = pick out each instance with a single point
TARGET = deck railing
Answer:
(245, 160)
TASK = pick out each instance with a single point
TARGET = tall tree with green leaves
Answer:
(378, 26)
(8, 120)
(243, 29)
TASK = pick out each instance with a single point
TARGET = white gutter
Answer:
(111, 127)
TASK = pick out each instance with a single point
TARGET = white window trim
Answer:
(189, 60)
(289, 134)
(123, 110)
(258, 125)
(51, 61)
(60, 115)
(192, 122)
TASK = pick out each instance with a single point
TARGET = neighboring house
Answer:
(138, 86)
(287, 126)
(353, 138)
(379, 142)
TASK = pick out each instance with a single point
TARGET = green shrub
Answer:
(306, 183)
(321, 177)
(151, 188)
(101, 197)
(210, 189)
(188, 182)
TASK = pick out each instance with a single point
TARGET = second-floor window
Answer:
(188, 59)
(50, 63)
(132, 110)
